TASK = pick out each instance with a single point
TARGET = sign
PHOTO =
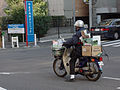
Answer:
(97, 40)
(16, 28)
(30, 23)
(15, 42)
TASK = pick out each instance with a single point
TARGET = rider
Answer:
(77, 51)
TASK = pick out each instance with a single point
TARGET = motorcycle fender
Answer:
(66, 59)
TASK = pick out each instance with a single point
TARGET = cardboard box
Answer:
(96, 50)
(86, 51)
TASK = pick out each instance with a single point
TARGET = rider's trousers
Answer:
(72, 65)
(75, 54)
(72, 62)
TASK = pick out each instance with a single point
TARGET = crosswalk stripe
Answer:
(111, 41)
(111, 44)
(102, 41)
(117, 45)
(118, 88)
(2, 88)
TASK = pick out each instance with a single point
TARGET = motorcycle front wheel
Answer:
(96, 73)
(58, 68)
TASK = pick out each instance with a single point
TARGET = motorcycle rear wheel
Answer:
(96, 72)
(58, 68)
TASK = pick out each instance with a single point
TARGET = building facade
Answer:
(105, 9)
(101, 9)
(65, 8)
(3, 5)
(55, 7)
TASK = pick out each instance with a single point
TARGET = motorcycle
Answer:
(88, 66)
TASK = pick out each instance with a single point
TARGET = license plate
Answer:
(100, 65)
(97, 29)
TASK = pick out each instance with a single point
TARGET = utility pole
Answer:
(90, 14)
(74, 15)
(26, 23)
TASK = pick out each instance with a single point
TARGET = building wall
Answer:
(56, 8)
(118, 6)
(65, 8)
(106, 6)
(68, 8)
(82, 9)
(2, 6)
(105, 9)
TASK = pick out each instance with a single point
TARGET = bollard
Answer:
(35, 40)
(3, 42)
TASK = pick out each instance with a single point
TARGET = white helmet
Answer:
(79, 23)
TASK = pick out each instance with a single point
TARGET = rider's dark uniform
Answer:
(77, 51)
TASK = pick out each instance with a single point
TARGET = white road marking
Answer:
(111, 41)
(103, 41)
(45, 41)
(9, 73)
(111, 44)
(117, 45)
(118, 79)
(118, 88)
(2, 88)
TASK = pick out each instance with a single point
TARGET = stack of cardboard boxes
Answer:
(92, 46)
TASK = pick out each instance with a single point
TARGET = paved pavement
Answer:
(31, 69)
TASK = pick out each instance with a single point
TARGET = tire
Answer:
(116, 35)
(58, 68)
(97, 73)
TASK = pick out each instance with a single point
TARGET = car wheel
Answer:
(116, 35)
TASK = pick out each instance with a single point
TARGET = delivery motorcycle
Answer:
(88, 66)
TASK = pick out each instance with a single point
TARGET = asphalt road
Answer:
(31, 69)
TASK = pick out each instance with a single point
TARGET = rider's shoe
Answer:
(70, 79)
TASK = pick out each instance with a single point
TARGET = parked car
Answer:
(108, 28)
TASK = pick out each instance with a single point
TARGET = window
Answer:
(116, 23)
(105, 22)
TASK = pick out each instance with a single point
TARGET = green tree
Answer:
(15, 10)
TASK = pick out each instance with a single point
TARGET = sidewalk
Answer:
(52, 34)
(55, 37)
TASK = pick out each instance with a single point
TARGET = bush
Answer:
(41, 25)
(4, 21)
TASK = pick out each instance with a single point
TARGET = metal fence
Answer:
(60, 26)
(61, 22)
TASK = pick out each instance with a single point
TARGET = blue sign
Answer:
(15, 25)
(16, 28)
(30, 23)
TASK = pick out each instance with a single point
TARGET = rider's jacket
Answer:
(75, 41)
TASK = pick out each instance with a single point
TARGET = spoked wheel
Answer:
(95, 72)
(58, 68)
